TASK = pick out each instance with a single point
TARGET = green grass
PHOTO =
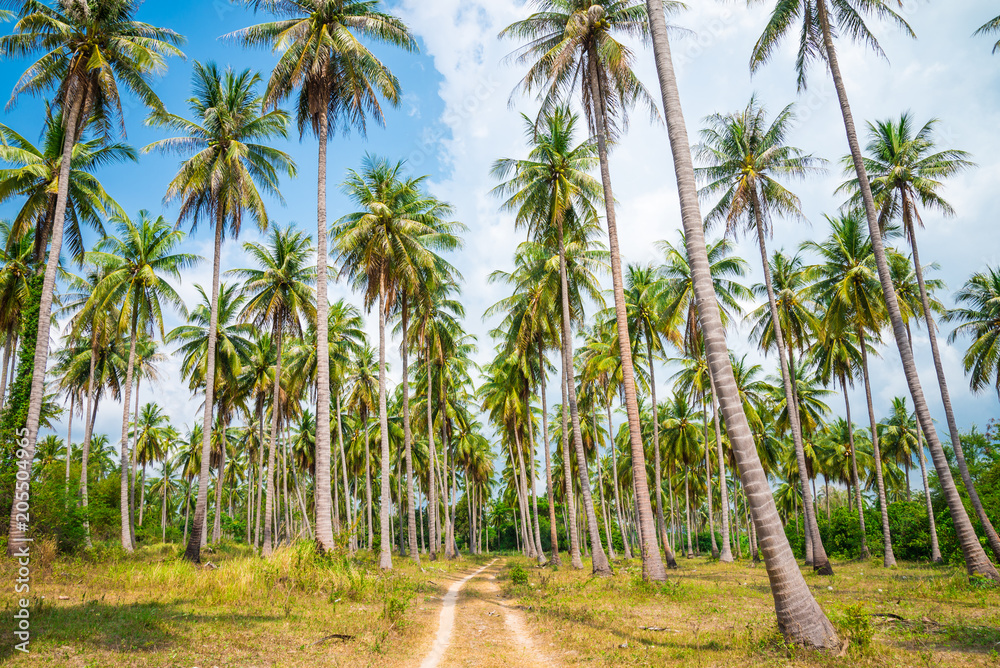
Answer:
(155, 609)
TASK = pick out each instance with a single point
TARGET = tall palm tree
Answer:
(905, 169)
(228, 164)
(978, 315)
(87, 49)
(151, 435)
(800, 618)
(551, 189)
(16, 272)
(135, 266)
(572, 46)
(339, 82)
(820, 23)
(386, 249)
(745, 155)
(846, 288)
(278, 296)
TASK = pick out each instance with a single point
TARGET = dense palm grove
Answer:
(301, 436)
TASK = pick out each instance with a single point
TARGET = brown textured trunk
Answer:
(599, 558)
(956, 438)
(324, 530)
(889, 559)
(269, 506)
(800, 618)
(432, 500)
(193, 550)
(20, 519)
(976, 561)
(553, 530)
(652, 563)
(135, 463)
(626, 549)
(219, 485)
(540, 553)
(854, 472)
(726, 554)
(260, 472)
(348, 503)
(126, 533)
(570, 516)
(935, 548)
(385, 538)
(411, 510)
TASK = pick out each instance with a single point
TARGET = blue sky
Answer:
(455, 120)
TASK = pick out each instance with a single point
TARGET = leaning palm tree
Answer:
(87, 49)
(573, 47)
(800, 618)
(551, 190)
(228, 163)
(745, 155)
(278, 296)
(135, 266)
(339, 83)
(385, 248)
(822, 20)
(978, 315)
(905, 172)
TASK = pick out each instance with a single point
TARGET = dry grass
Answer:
(712, 614)
(154, 609)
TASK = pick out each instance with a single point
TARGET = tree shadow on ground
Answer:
(126, 628)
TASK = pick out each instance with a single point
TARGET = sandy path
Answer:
(443, 638)
(487, 632)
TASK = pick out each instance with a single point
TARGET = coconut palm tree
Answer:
(572, 46)
(386, 249)
(551, 189)
(135, 266)
(800, 618)
(227, 167)
(905, 172)
(32, 179)
(339, 83)
(278, 296)
(16, 272)
(745, 156)
(152, 440)
(87, 49)
(820, 25)
(846, 288)
(978, 315)
(990, 27)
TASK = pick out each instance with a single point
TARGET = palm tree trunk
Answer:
(800, 618)
(819, 560)
(726, 554)
(251, 488)
(125, 505)
(599, 559)
(193, 550)
(889, 558)
(935, 548)
(368, 486)
(540, 553)
(260, 472)
(269, 505)
(652, 563)
(708, 476)
(956, 438)
(411, 512)
(19, 520)
(324, 530)
(614, 483)
(163, 511)
(976, 561)
(553, 530)
(687, 513)
(600, 489)
(219, 482)
(348, 505)
(142, 493)
(7, 351)
(854, 472)
(657, 465)
(574, 539)
(515, 459)
(385, 548)
(187, 511)
(88, 430)
(135, 462)
(432, 500)
(69, 446)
